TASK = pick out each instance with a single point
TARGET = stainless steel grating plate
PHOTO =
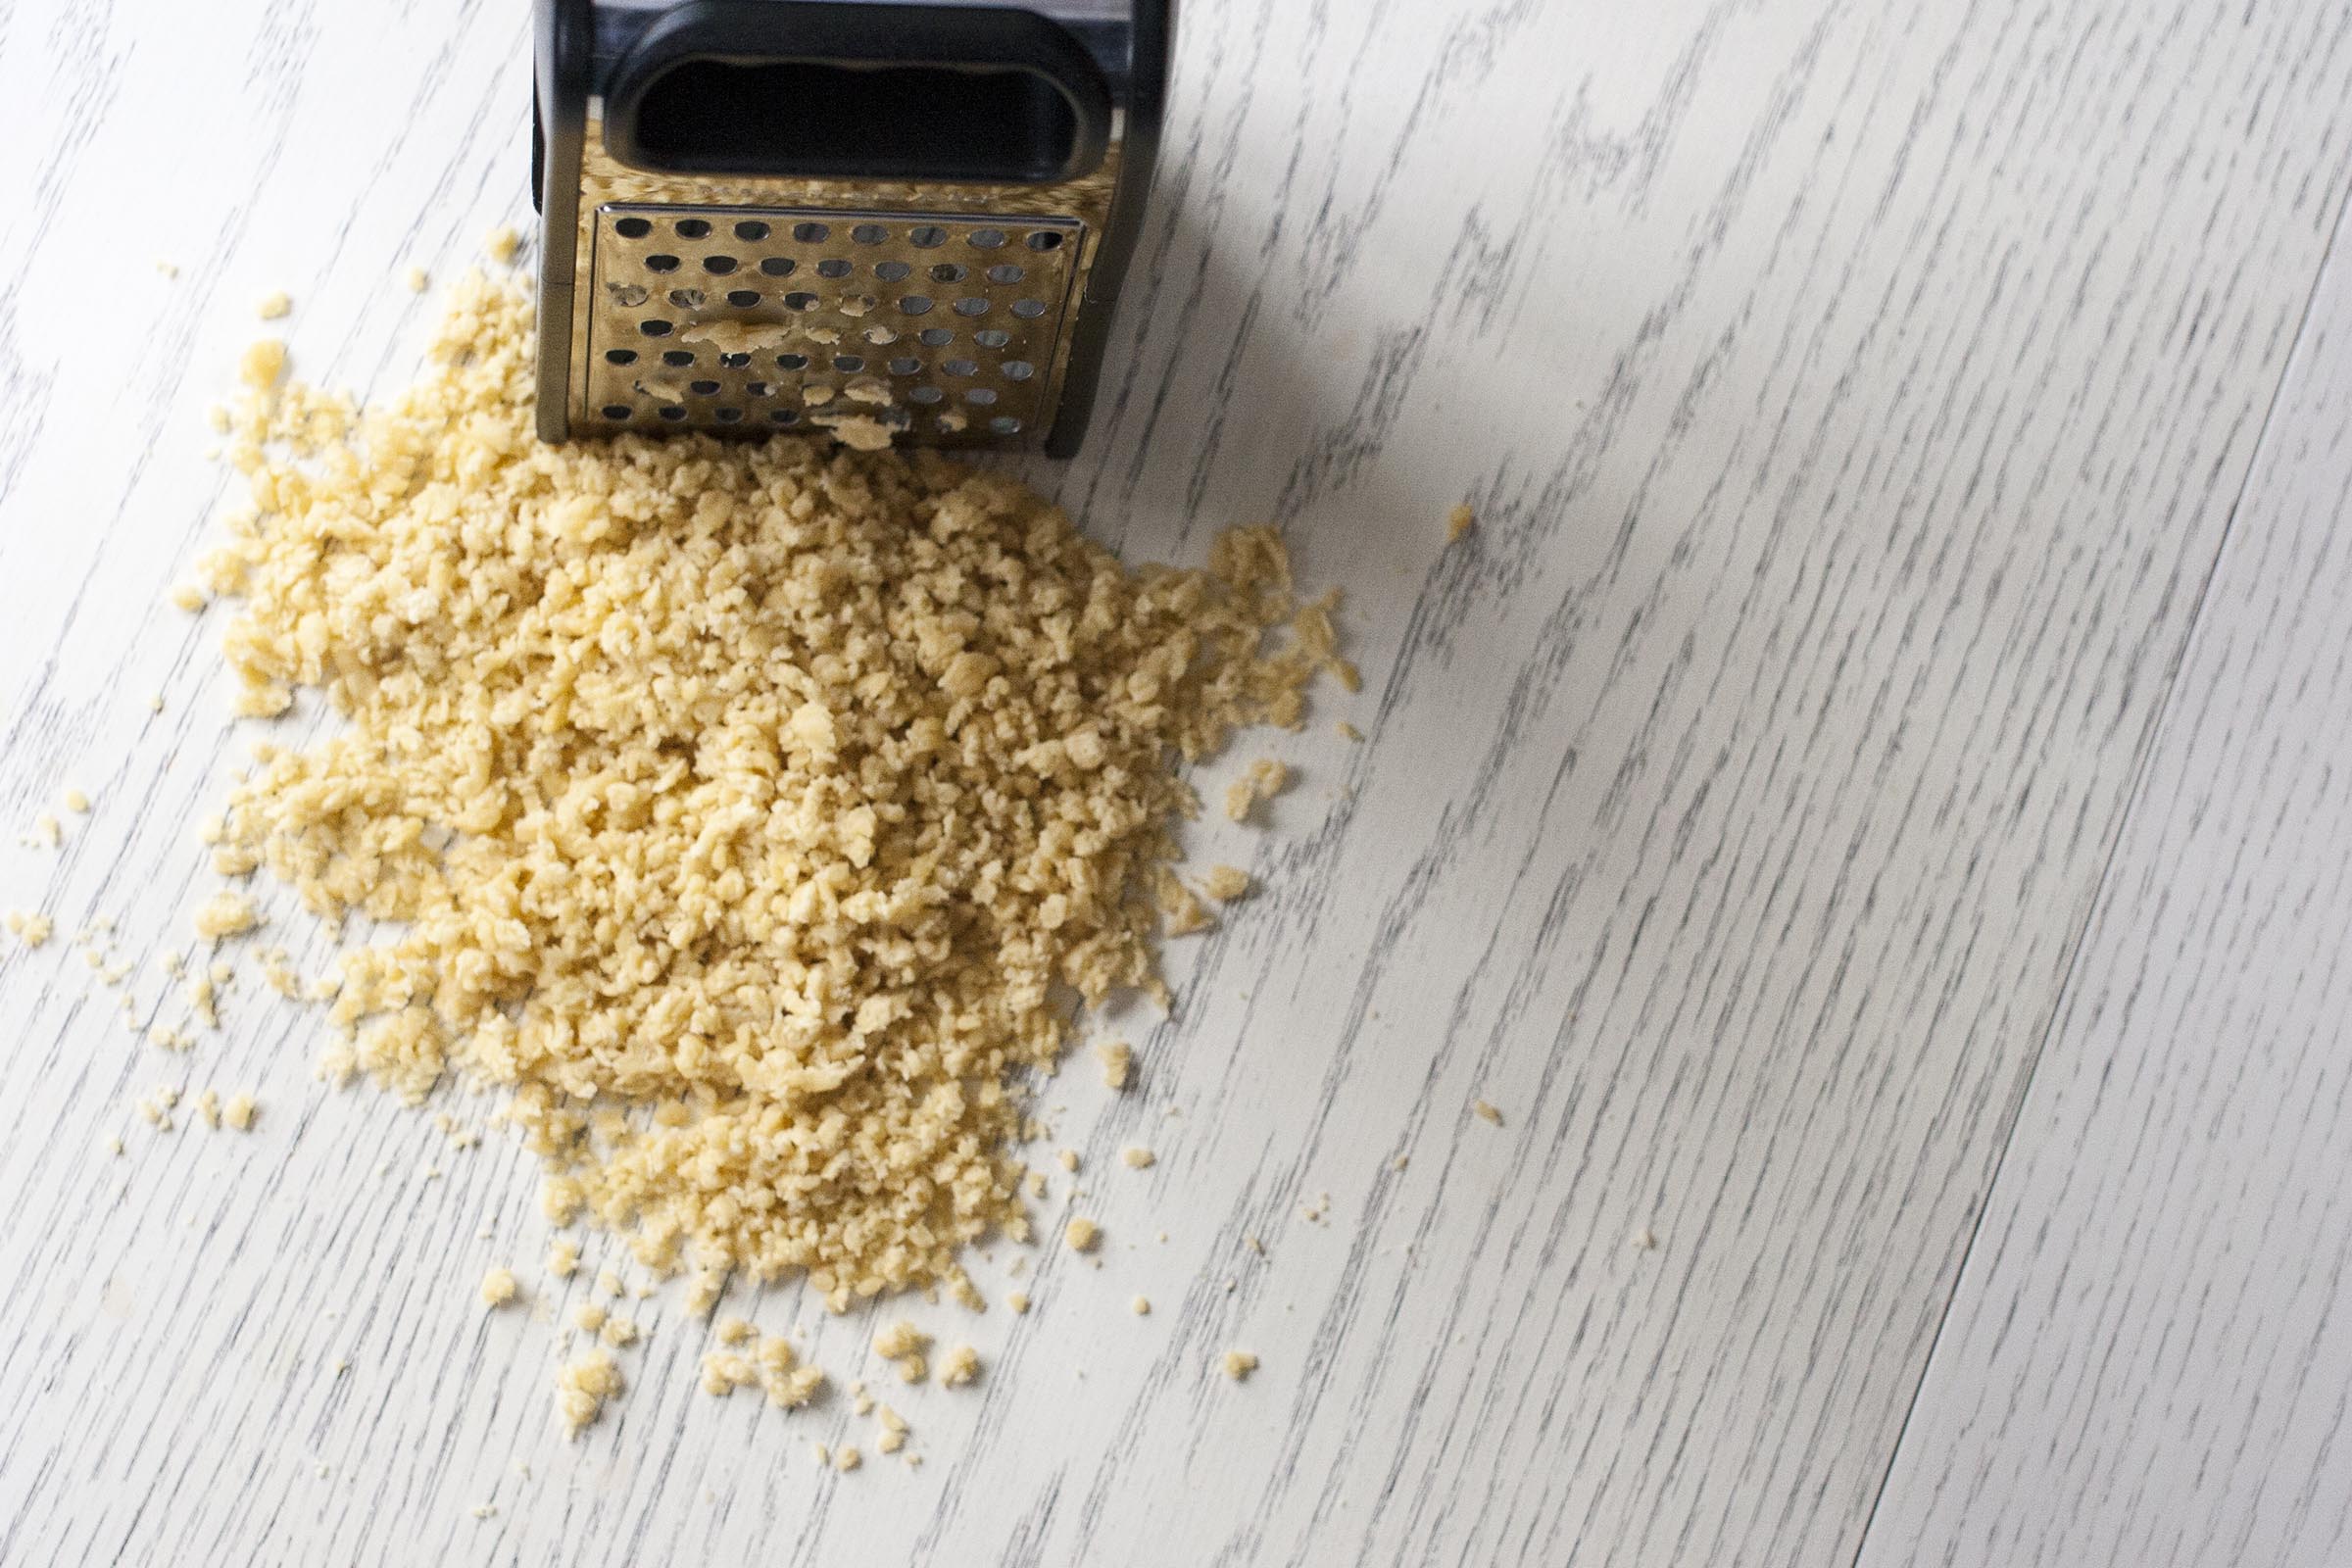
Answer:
(739, 317)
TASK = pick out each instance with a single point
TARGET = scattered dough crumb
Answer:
(583, 1386)
(264, 361)
(1118, 1062)
(1137, 1157)
(1139, 1306)
(1349, 731)
(1018, 1300)
(208, 1106)
(1239, 1364)
(1225, 883)
(1644, 1240)
(225, 914)
(77, 801)
(899, 1338)
(734, 1331)
(588, 1317)
(1265, 780)
(273, 305)
(502, 244)
(704, 1293)
(33, 930)
(618, 1332)
(1081, 1235)
(1067, 1159)
(1459, 522)
(416, 280)
(1487, 1112)
(958, 1367)
(848, 1458)
(563, 1258)
(189, 597)
(609, 1283)
(499, 1287)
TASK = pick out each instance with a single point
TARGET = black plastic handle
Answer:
(915, 92)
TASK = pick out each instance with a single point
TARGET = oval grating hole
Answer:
(660, 263)
(632, 228)
(776, 266)
(694, 228)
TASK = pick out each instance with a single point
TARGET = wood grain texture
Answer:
(1853, 396)
(2148, 1358)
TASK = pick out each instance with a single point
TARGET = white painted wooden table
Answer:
(1900, 677)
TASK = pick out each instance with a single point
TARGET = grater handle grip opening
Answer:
(913, 92)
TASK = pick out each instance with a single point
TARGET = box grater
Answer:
(893, 220)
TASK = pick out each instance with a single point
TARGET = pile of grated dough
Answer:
(744, 808)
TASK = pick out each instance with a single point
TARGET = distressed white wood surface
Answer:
(2150, 1353)
(1854, 396)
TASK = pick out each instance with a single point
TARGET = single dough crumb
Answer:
(1082, 1235)
(499, 1287)
(1487, 1112)
(1067, 1159)
(1118, 1062)
(416, 278)
(618, 1332)
(273, 305)
(734, 1331)
(227, 914)
(263, 362)
(1348, 731)
(1139, 1306)
(563, 1258)
(502, 244)
(609, 1283)
(77, 801)
(899, 1338)
(703, 1296)
(1225, 883)
(1018, 1300)
(240, 1112)
(583, 1386)
(1239, 1364)
(1265, 780)
(958, 1367)
(208, 1106)
(847, 1458)
(588, 1317)
(1459, 522)
(1137, 1157)
(1644, 1240)
(33, 930)
(189, 597)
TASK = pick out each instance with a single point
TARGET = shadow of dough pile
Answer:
(741, 806)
